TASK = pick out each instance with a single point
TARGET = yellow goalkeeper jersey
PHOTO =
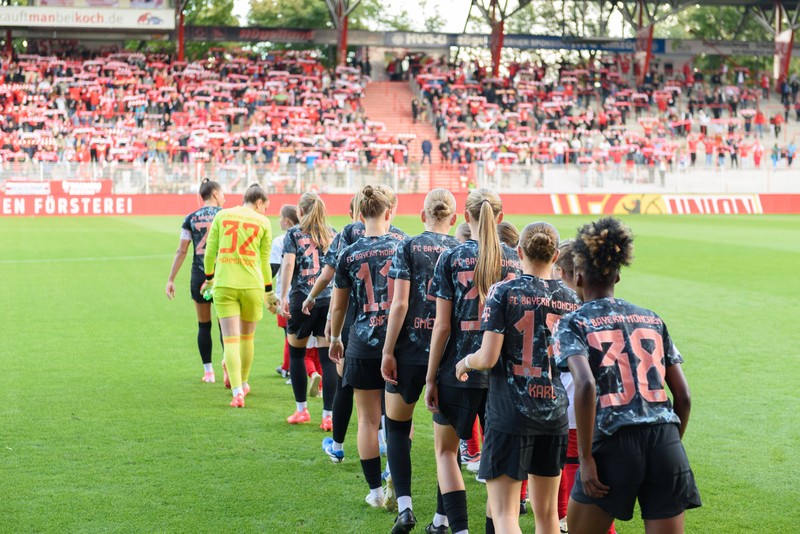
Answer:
(237, 249)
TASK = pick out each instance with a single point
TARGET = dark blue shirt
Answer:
(197, 224)
(526, 396)
(452, 280)
(628, 349)
(415, 261)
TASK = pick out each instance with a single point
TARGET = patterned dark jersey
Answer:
(526, 396)
(629, 349)
(415, 261)
(349, 235)
(364, 267)
(195, 227)
(307, 265)
(452, 280)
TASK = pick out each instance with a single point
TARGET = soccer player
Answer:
(508, 234)
(288, 219)
(564, 270)
(343, 400)
(405, 351)
(463, 233)
(362, 276)
(303, 246)
(629, 434)
(526, 410)
(237, 267)
(195, 231)
(461, 281)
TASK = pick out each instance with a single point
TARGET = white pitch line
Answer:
(104, 258)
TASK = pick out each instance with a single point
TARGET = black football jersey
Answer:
(364, 267)
(526, 395)
(452, 280)
(349, 235)
(196, 224)
(307, 264)
(629, 349)
(415, 261)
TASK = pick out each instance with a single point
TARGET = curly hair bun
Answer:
(602, 248)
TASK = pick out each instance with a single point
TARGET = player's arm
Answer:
(397, 316)
(212, 247)
(339, 302)
(323, 281)
(287, 269)
(681, 398)
(484, 358)
(585, 411)
(177, 262)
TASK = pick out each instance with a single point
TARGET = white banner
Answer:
(88, 18)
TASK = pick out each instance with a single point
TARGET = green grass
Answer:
(106, 427)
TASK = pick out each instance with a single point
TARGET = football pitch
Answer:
(105, 425)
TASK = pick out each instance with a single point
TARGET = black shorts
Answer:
(363, 373)
(196, 281)
(648, 462)
(410, 381)
(519, 456)
(302, 325)
(458, 407)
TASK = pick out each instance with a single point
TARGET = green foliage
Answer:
(717, 23)
(289, 13)
(107, 427)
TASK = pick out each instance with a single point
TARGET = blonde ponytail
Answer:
(315, 220)
(484, 205)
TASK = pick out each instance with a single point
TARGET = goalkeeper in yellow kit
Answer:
(237, 267)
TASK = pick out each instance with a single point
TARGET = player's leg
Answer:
(329, 378)
(454, 495)
(587, 518)
(568, 475)
(247, 351)
(368, 409)
(544, 468)
(229, 309)
(297, 369)
(313, 370)
(503, 492)
(252, 312)
(342, 412)
(672, 525)
(544, 502)
(398, 439)
(204, 344)
(231, 333)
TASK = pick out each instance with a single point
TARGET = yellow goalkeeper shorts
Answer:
(245, 303)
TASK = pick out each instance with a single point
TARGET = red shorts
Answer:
(281, 321)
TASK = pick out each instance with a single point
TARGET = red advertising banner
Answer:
(783, 55)
(643, 52)
(59, 203)
(58, 187)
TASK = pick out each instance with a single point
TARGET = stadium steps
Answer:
(390, 103)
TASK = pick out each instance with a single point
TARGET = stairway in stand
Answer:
(390, 103)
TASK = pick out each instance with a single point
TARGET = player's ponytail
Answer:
(314, 220)
(207, 189)
(601, 248)
(484, 205)
(539, 242)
